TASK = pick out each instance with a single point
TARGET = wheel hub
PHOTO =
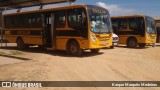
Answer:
(73, 48)
(132, 43)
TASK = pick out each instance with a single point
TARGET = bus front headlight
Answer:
(93, 38)
(147, 35)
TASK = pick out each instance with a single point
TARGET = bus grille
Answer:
(115, 38)
(103, 39)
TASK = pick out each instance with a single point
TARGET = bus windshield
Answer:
(100, 20)
(150, 24)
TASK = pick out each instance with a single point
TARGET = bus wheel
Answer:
(132, 43)
(142, 45)
(95, 50)
(20, 44)
(74, 48)
(40, 46)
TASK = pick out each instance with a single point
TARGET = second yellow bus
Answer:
(135, 30)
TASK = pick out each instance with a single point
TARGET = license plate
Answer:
(152, 40)
(115, 44)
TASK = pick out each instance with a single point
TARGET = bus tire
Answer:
(20, 44)
(74, 48)
(142, 45)
(40, 46)
(95, 50)
(132, 43)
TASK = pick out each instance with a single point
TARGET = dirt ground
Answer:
(119, 64)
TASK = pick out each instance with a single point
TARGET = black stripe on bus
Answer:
(39, 32)
(23, 32)
(68, 33)
(128, 33)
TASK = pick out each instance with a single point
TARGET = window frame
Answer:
(119, 24)
(78, 25)
(57, 17)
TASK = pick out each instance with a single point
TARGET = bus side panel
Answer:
(141, 39)
(61, 42)
(35, 40)
(10, 39)
(122, 39)
(83, 43)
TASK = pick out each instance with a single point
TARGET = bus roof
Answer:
(136, 15)
(157, 19)
(49, 9)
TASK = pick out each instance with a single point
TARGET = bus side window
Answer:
(122, 24)
(134, 24)
(35, 20)
(137, 25)
(75, 18)
(60, 19)
(115, 26)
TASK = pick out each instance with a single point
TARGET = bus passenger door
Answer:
(53, 31)
(48, 31)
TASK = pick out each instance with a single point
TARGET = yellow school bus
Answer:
(134, 30)
(72, 28)
(157, 20)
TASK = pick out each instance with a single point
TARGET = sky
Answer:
(120, 7)
(128, 7)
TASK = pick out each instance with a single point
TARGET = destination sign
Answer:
(98, 11)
